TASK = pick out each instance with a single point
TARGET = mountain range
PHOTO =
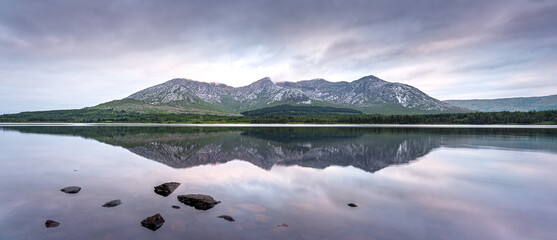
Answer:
(519, 104)
(368, 94)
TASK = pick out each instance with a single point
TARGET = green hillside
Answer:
(291, 110)
(520, 104)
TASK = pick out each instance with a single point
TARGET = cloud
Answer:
(128, 45)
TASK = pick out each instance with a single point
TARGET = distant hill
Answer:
(368, 94)
(519, 104)
(291, 110)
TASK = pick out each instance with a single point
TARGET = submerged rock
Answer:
(198, 201)
(352, 205)
(166, 189)
(51, 223)
(71, 189)
(112, 203)
(227, 218)
(153, 222)
(282, 225)
(175, 207)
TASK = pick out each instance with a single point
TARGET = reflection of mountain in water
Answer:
(369, 149)
(369, 153)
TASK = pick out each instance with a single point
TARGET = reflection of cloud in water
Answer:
(451, 192)
(251, 207)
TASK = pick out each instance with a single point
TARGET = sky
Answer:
(63, 54)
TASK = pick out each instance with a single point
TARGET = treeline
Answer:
(88, 115)
(542, 117)
(111, 116)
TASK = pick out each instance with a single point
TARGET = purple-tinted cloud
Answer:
(57, 49)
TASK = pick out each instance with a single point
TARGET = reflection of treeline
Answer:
(95, 132)
(108, 115)
(281, 134)
(312, 134)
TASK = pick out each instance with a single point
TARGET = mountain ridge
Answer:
(368, 94)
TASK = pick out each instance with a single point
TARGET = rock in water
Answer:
(71, 189)
(166, 189)
(153, 222)
(227, 218)
(51, 223)
(198, 201)
(352, 205)
(112, 203)
(282, 225)
(175, 207)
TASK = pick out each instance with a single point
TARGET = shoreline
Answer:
(281, 125)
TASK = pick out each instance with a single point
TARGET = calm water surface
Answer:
(408, 183)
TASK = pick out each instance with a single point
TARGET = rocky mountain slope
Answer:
(520, 104)
(368, 94)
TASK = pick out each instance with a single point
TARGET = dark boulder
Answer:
(227, 218)
(112, 203)
(51, 223)
(153, 222)
(198, 201)
(352, 205)
(175, 207)
(71, 189)
(166, 189)
(282, 225)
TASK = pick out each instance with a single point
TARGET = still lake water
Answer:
(408, 183)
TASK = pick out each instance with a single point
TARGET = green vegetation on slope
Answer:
(89, 115)
(291, 110)
(132, 105)
(521, 104)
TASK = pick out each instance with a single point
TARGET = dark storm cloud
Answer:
(427, 43)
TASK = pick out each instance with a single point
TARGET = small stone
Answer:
(352, 205)
(227, 218)
(166, 189)
(198, 201)
(112, 203)
(153, 222)
(71, 189)
(51, 223)
(175, 207)
(282, 225)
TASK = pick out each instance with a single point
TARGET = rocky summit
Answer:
(368, 94)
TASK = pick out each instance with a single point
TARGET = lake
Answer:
(280, 182)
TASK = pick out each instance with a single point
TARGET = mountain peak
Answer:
(265, 80)
(370, 78)
(264, 83)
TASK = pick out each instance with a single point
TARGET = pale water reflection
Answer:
(407, 183)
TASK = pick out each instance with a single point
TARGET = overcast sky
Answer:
(73, 54)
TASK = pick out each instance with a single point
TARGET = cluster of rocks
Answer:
(197, 201)
(74, 190)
